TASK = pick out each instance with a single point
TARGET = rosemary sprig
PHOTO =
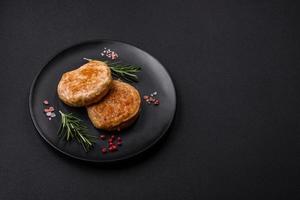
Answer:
(72, 128)
(124, 71)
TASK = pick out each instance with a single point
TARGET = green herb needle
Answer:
(73, 128)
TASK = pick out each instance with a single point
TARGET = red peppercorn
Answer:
(114, 147)
(104, 150)
(113, 142)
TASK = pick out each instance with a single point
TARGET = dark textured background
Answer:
(235, 65)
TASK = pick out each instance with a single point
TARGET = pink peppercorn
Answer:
(104, 150)
(110, 149)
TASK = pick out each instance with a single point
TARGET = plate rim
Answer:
(40, 132)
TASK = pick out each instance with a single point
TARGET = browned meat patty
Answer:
(85, 85)
(118, 109)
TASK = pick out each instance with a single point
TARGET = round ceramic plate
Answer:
(151, 125)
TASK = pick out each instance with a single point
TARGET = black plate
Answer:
(150, 126)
